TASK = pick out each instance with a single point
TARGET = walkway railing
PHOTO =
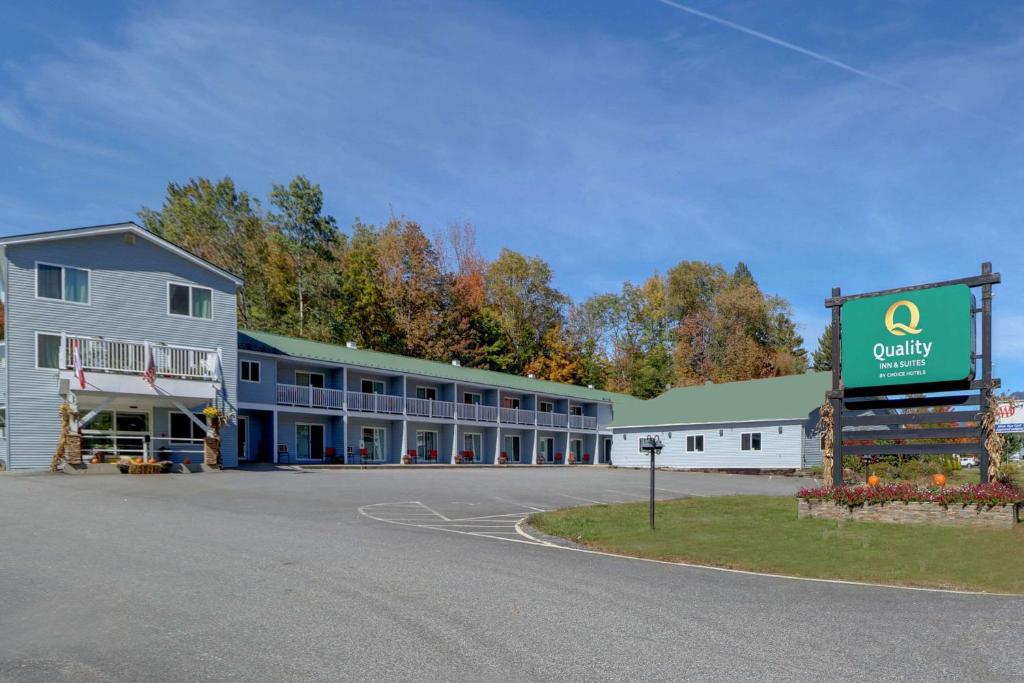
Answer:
(476, 412)
(312, 397)
(374, 403)
(424, 407)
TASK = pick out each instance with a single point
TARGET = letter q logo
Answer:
(902, 329)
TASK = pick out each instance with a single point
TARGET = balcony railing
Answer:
(424, 407)
(129, 357)
(374, 403)
(559, 419)
(476, 412)
(313, 397)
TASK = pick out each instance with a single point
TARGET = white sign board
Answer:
(1010, 416)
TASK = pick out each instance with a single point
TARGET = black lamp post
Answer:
(652, 445)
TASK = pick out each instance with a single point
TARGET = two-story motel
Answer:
(154, 331)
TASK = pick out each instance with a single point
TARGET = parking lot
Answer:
(419, 575)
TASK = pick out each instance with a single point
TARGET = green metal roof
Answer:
(777, 398)
(302, 348)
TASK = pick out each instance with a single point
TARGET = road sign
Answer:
(1010, 416)
(921, 336)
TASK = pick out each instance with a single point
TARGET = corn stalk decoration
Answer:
(993, 440)
(825, 429)
(67, 413)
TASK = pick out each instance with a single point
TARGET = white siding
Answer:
(721, 446)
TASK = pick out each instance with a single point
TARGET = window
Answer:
(471, 398)
(250, 371)
(373, 443)
(474, 444)
(426, 443)
(372, 386)
(310, 379)
(511, 403)
(695, 444)
(428, 393)
(47, 350)
(62, 283)
(3, 422)
(575, 410)
(750, 441)
(547, 407)
(183, 429)
(189, 301)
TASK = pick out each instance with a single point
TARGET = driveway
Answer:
(418, 575)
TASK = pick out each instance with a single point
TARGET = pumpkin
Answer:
(939, 479)
(874, 480)
(95, 461)
(187, 461)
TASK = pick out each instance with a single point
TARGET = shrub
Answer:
(979, 495)
(885, 470)
(853, 462)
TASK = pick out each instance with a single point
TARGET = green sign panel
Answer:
(916, 337)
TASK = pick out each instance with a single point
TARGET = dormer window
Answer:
(189, 301)
(62, 283)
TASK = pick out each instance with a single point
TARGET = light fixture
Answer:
(721, 432)
(780, 429)
(670, 435)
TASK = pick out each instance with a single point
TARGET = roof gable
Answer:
(116, 228)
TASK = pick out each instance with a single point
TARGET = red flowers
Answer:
(982, 495)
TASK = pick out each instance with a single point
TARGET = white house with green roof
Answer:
(765, 424)
(302, 401)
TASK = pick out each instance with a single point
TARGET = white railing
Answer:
(526, 417)
(543, 419)
(374, 403)
(509, 415)
(589, 422)
(129, 357)
(313, 397)
(576, 421)
(559, 419)
(477, 412)
(424, 407)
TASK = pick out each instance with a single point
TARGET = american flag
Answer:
(150, 374)
(77, 356)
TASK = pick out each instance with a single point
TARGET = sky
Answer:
(862, 145)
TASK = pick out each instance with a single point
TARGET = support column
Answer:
(344, 438)
(497, 444)
(836, 395)
(405, 440)
(273, 431)
(533, 460)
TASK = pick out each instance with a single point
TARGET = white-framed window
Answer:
(474, 443)
(510, 446)
(750, 441)
(48, 350)
(372, 386)
(695, 443)
(575, 410)
(426, 442)
(3, 422)
(472, 398)
(62, 283)
(184, 429)
(373, 441)
(310, 379)
(546, 407)
(189, 301)
(427, 393)
(510, 403)
(249, 370)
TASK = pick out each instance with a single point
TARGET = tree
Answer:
(822, 356)
(309, 233)
(519, 290)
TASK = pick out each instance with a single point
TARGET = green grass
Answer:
(761, 533)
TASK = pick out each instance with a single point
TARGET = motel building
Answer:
(139, 336)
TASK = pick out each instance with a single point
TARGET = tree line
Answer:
(394, 288)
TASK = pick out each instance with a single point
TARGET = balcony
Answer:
(476, 412)
(312, 397)
(423, 407)
(374, 403)
(129, 358)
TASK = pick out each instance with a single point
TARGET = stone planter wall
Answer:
(998, 516)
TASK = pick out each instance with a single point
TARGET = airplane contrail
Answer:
(785, 44)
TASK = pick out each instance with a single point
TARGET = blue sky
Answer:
(611, 138)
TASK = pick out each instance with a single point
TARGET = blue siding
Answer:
(264, 391)
(128, 300)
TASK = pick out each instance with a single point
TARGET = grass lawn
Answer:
(762, 533)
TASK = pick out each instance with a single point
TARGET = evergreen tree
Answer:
(822, 356)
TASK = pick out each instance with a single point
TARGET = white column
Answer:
(405, 439)
(497, 444)
(533, 460)
(455, 425)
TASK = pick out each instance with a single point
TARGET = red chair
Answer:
(558, 457)
(502, 458)
(329, 454)
(467, 456)
(432, 455)
(586, 457)
(363, 454)
(412, 455)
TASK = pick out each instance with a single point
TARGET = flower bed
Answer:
(973, 504)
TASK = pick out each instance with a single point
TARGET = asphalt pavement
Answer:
(419, 575)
